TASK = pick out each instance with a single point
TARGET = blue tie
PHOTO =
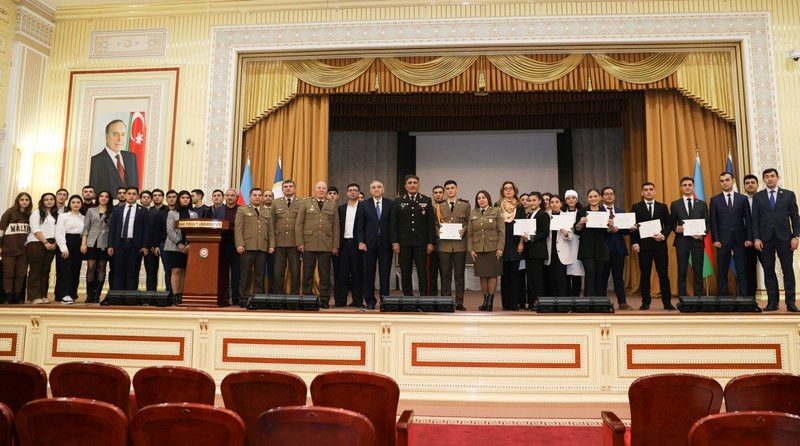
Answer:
(127, 220)
(378, 209)
(772, 199)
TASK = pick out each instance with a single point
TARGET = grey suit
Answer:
(95, 228)
(174, 234)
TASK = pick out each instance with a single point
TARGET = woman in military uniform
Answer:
(486, 236)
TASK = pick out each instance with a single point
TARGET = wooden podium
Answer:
(206, 283)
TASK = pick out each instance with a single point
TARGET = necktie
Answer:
(289, 202)
(483, 211)
(689, 204)
(378, 209)
(319, 203)
(611, 212)
(772, 199)
(650, 209)
(127, 221)
(730, 204)
(257, 213)
(452, 205)
(121, 170)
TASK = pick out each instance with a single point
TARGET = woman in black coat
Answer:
(512, 285)
(593, 249)
(536, 249)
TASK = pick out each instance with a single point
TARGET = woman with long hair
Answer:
(560, 254)
(593, 249)
(485, 241)
(175, 246)
(511, 283)
(40, 248)
(94, 245)
(536, 249)
(14, 230)
(69, 231)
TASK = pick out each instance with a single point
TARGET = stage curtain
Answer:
(708, 79)
(530, 70)
(298, 133)
(268, 84)
(433, 72)
(653, 68)
(321, 74)
(674, 125)
(361, 157)
(633, 166)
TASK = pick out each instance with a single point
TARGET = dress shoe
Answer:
(669, 307)
(323, 303)
(625, 307)
(489, 302)
(771, 307)
(645, 307)
(792, 308)
(356, 305)
(339, 305)
(460, 307)
(371, 306)
(485, 303)
(243, 303)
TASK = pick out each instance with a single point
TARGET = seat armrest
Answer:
(613, 429)
(403, 425)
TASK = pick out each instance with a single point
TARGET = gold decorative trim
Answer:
(128, 44)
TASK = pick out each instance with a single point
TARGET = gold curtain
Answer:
(321, 74)
(267, 85)
(653, 68)
(433, 72)
(298, 133)
(531, 70)
(634, 164)
(708, 79)
(674, 125)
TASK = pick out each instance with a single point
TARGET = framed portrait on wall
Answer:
(120, 129)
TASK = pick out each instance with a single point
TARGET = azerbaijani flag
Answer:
(700, 194)
(277, 185)
(246, 186)
(137, 140)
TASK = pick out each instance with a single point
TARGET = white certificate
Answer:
(525, 225)
(694, 226)
(449, 231)
(564, 220)
(649, 229)
(624, 220)
(598, 220)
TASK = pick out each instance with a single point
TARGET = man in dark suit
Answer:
(114, 167)
(230, 257)
(617, 251)
(652, 248)
(350, 267)
(377, 241)
(685, 208)
(413, 234)
(731, 231)
(128, 241)
(776, 228)
(151, 259)
(750, 254)
(203, 211)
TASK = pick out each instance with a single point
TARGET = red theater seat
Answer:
(71, 422)
(778, 392)
(20, 383)
(754, 428)
(172, 384)
(6, 425)
(313, 426)
(92, 380)
(186, 424)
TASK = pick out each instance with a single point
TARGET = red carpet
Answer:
(480, 435)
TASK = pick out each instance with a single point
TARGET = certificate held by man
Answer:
(625, 220)
(525, 226)
(598, 220)
(450, 231)
(693, 227)
(649, 229)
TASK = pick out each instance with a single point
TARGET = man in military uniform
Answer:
(437, 194)
(453, 253)
(317, 237)
(284, 216)
(254, 237)
(413, 234)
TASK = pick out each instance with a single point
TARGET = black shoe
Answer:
(645, 307)
(371, 306)
(771, 307)
(356, 305)
(242, 303)
(485, 303)
(5, 298)
(324, 303)
(792, 308)
(339, 304)
(460, 307)
(490, 302)
(669, 307)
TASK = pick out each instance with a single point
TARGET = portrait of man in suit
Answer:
(114, 167)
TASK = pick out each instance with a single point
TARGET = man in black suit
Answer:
(350, 267)
(114, 167)
(203, 211)
(750, 254)
(652, 248)
(617, 251)
(230, 257)
(776, 228)
(731, 231)
(128, 241)
(377, 242)
(413, 234)
(685, 208)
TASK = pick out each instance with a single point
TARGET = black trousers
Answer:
(433, 273)
(252, 268)
(695, 250)
(453, 264)
(383, 256)
(151, 270)
(558, 277)
(751, 259)
(575, 283)
(416, 255)
(167, 269)
(535, 274)
(231, 259)
(596, 283)
(511, 285)
(784, 251)
(615, 268)
(661, 259)
(349, 271)
(69, 278)
(269, 277)
(738, 252)
(127, 262)
(287, 255)
(321, 260)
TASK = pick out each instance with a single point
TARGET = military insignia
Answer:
(423, 211)
(403, 205)
(491, 220)
(423, 205)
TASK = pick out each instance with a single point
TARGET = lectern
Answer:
(206, 283)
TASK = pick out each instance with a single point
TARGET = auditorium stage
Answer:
(514, 365)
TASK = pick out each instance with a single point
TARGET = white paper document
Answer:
(624, 220)
(564, 220)
(525, 225)
(694, 226)
(648, 229)
(449, 231)
(598, 220)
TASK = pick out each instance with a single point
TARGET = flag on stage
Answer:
(729, 169)
(277, 185)
(247, 184)
(137, 140)
(700, 194)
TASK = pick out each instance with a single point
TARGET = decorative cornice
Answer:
(32, 25)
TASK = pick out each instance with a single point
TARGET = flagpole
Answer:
(697, 157)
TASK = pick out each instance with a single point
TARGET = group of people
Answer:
(436, 235)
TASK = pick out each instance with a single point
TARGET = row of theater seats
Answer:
(682, 409)
(92, 405)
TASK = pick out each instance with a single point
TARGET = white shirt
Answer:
(686, 201)
(651, 207)
(68, 223)
(113, 156)
(750, 200)
(350, 220)
(47, 228)
(132, 209)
